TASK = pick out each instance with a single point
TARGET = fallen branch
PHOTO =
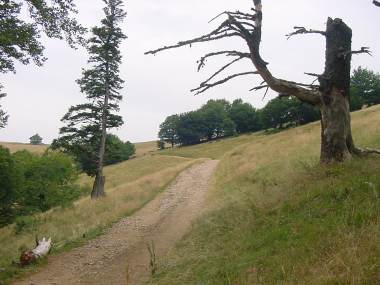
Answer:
(366, 151)
(42, 249)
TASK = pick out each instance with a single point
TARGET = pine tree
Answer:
(87, 124)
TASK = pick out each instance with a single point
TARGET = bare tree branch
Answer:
(303, 30)
(205, 85)
(202, 61)
(362, 50)
(377, 3)
(248, 27)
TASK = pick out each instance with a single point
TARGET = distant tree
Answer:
(365, 85)
(35, 139)
(87, 124)
(215, 118)
(245, 117)
(161, 144)
(3, 115)
(22, 24)
(191, 128)
(117, 150)
(168, 130)
(286, 111)
(275, 114)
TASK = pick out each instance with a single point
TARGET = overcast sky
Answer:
(158, 86)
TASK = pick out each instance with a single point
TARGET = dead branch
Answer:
(205, 85)
(248, 27)
(303, 30)
(202, 61)
(377, 3)
(366, 151)
(362, 50)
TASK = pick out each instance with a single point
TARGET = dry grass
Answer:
(144, 148)
(13, 147)
(135, 183)
(132, 169)
(280, 218)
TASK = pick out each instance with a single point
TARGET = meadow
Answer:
(274, 215)
(278, 217)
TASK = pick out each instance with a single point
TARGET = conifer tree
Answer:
(87, 124)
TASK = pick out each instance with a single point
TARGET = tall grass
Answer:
(278, 217)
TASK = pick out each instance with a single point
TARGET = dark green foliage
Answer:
(215, 119)
(117, 150)
(168, 131)
(191, 128)
(82, 135)
(284, 112)
(8, 179)
(244, 116)
(35, 139)
(31, 183)
(3, 115)
(85, 151)
(365, 88)
(47, 180)
(20, 32)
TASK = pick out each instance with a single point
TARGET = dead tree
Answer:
(331, 96)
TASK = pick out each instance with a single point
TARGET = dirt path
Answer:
(121, 253)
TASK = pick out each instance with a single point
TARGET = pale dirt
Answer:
(122, 252)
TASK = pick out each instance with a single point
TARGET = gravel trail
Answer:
(121, 255)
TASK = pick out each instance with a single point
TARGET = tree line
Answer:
(220, 118)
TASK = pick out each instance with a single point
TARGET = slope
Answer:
(278, 217)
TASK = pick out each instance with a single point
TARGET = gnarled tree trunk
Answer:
(337, 143)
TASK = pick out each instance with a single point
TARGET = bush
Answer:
(117, 150)
(32, 183)
(8, 179)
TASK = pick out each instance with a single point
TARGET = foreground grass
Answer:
(138, 181)
(278, 217)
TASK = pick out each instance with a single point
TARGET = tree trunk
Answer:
(337, 143)
(100, 179)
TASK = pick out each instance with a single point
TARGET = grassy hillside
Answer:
(13, 147)
(142, 148)
(278, 217)
(129, 186)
